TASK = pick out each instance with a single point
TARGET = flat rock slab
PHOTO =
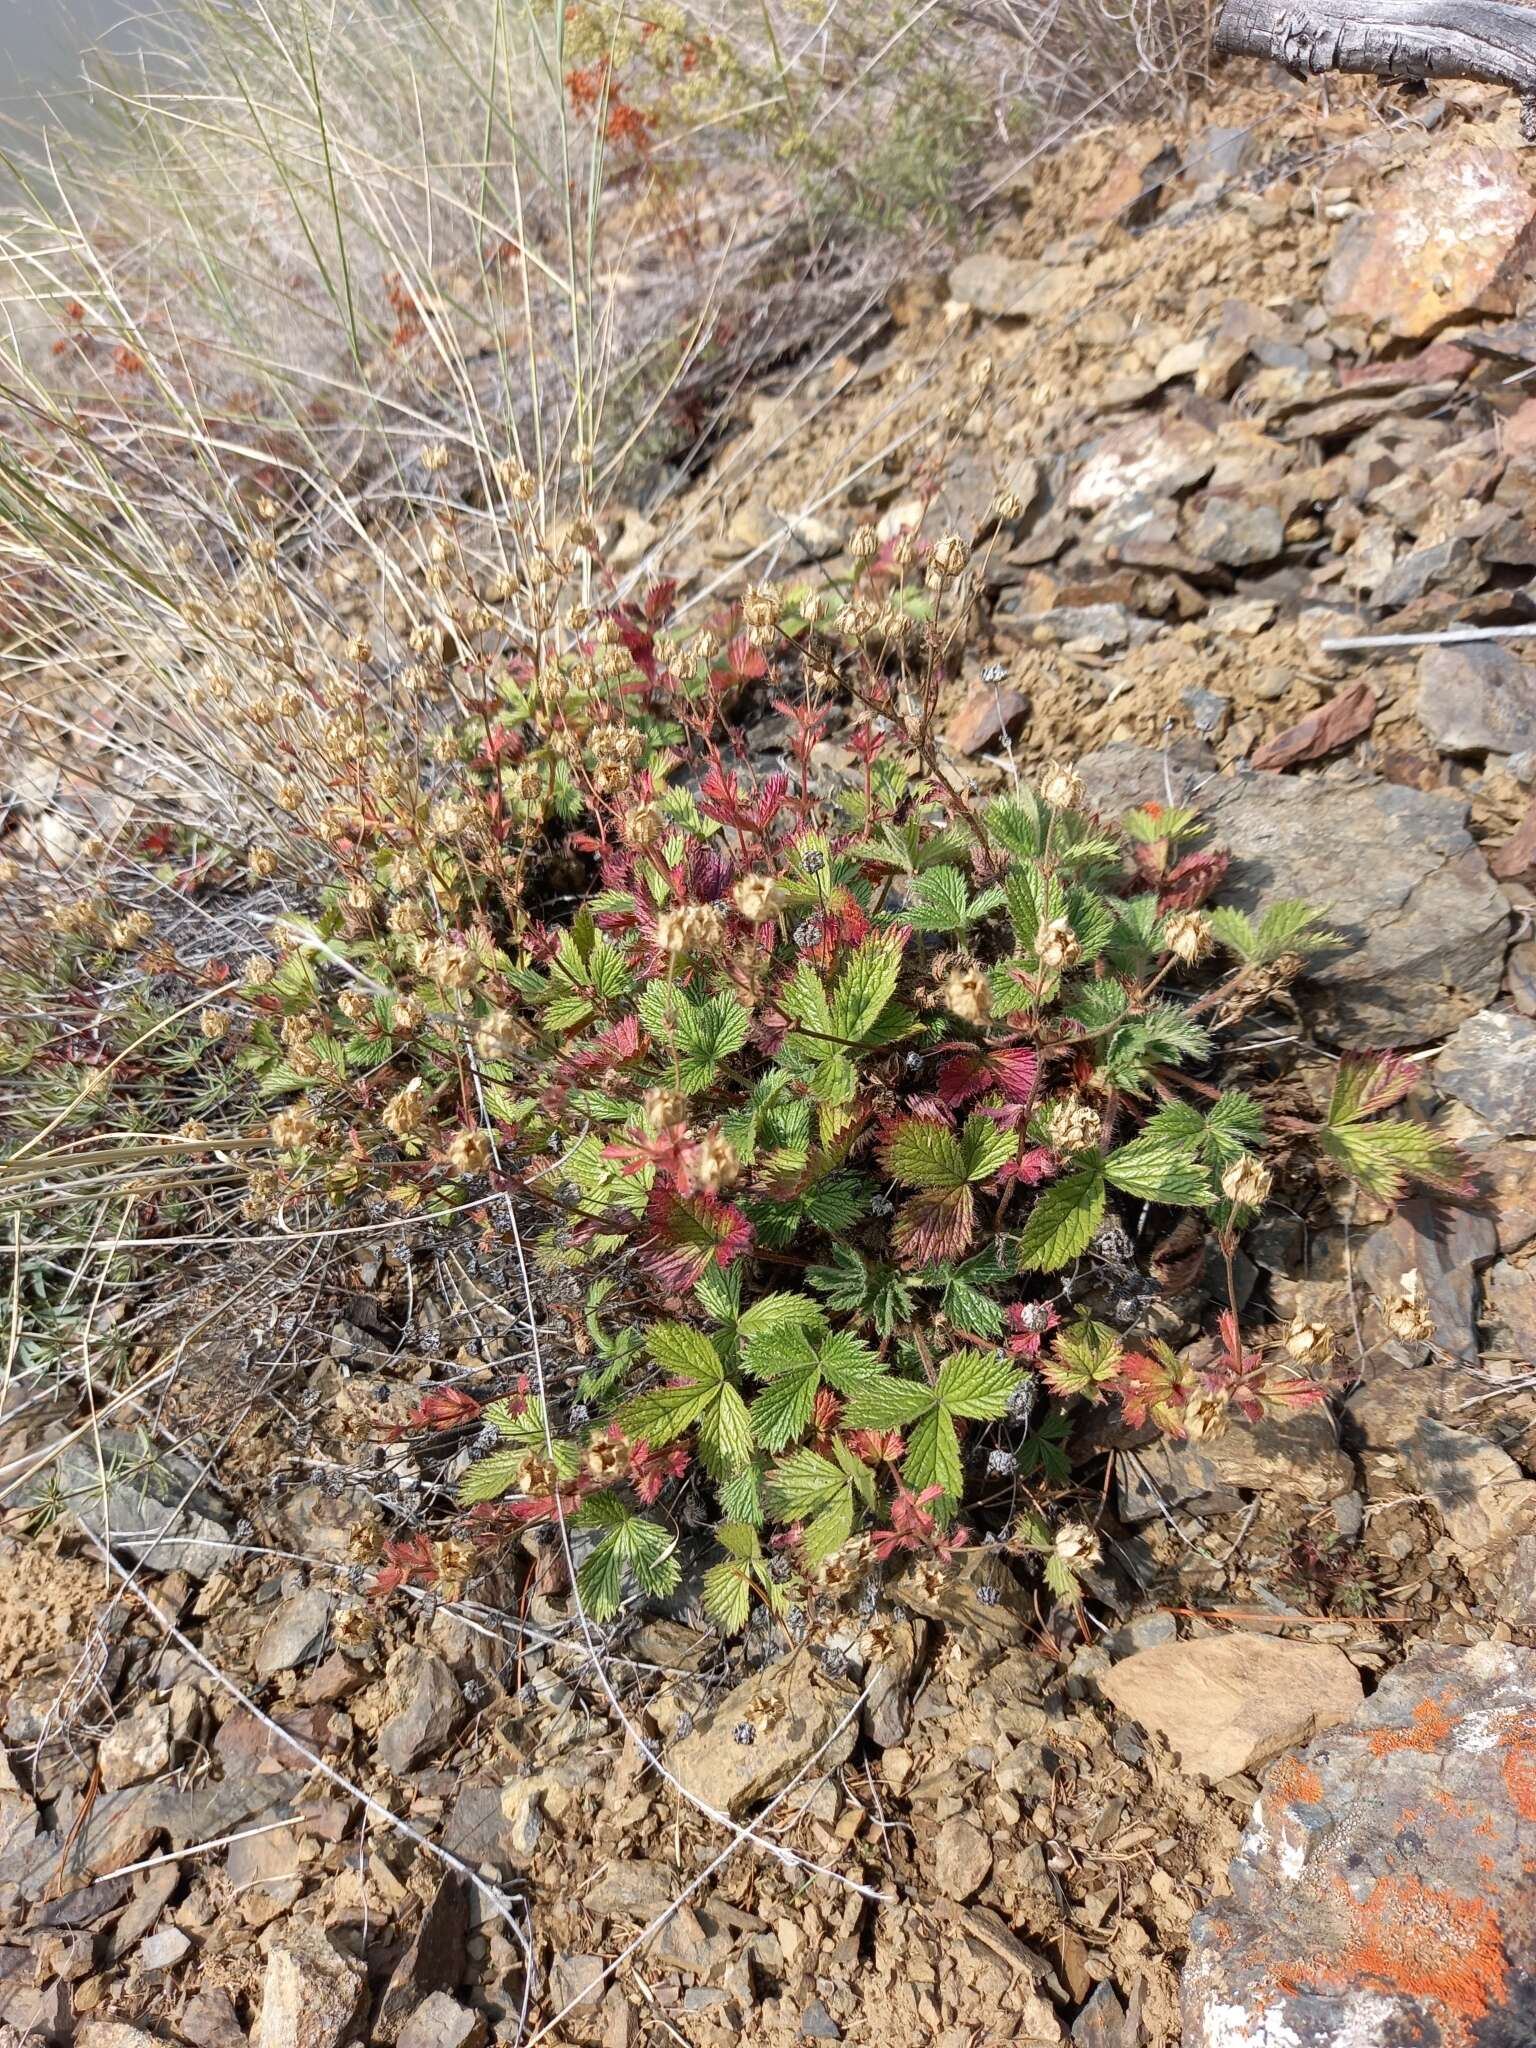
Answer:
(1490, 1065)
(1477, 699)
(1380, 1895)
(1395, 870)
(1450, 237)
(1226, 1704)
(786, 1719)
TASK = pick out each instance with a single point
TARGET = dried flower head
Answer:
(214, 1025)
(435, 458)
(295, 1127)
(1406, 1313)
(1078, 1547)
(1247, 1183)
(761, 607)
(1188, 936)
(967, 994)
(131, 930)
(261, 862)
(404, 1113)
(759, 897)
(1073, 1125)
(1205, 1414)
(865, 544)
(501, 1036)
(947, 556)
(470, 1151)
(1058, 946)
(356, 1005)
(408, 1016)
(1061, 788)
(690, 928)
(1309, 1343)
(713, 1164)
(645, 825)
(664, 1107)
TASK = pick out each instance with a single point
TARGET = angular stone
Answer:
(1009, 288)
(787, 1718)
(1477, 698)
(295, 1631)
(161, 1513)
(1490, 1065)
(962, 1858)
(987, 712)
(1295, 1456)
(1236, 531)
(1451, 237)
(208, 2020)
(1394, 869)
(430, 1705)
(1381, 1894)
(1226, 1703)
(312, 1995)
(441, 2022)
(139, 1747)
(1149, 459)
(434, 1961)
(1482, 1496)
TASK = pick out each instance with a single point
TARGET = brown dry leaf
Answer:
(1331, 726)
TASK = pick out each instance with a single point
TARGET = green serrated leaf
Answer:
(1156, 1170)
(1063, 1220)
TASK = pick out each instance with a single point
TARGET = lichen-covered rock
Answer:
(1381, 1895)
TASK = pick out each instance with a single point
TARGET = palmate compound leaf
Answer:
(972, 1385)
(1387, 1158)
(701, 1398)
(796, 1363)
(1063, 1220)
(630, 1544)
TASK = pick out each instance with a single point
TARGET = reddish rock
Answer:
(989, 711)
(1381, 1892)
(1450, 238)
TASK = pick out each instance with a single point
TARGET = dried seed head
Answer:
(865, 544)
(1187, 935)
(356, 1005)
(1247, 1182)
(1077, 1546)
(408, 1016)
(1061, 788)
(645, 825)
(1008, 508)
(294, 1128)
(1310, 1344)
(501, 1036)
(1205, 1414)
(690, 928)
(967, 994)
(1407, 1312)
(435, 458)
(947, 556)
(761, 606)
(258, 970)
(759, 897)
(664, 1107)
(359, 648)
(214, 1025)
(1059, 947)
(403, 1115)
(194, 1131)
(261, 862)
(470, 1151)
(131, 930)
(714, 1163)
(1073, 1125)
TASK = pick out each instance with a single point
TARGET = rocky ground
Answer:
(1260, 389)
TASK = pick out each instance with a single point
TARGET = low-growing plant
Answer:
(877, 1092)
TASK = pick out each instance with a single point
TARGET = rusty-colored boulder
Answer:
(1381, 1893)
(1451, 238)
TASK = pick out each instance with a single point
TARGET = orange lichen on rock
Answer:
(1519, 1747)
(1292, 1782)
(1430, 1731)
(1415, 1941)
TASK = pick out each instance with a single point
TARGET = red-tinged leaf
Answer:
(1038, 1163)
(1193, 880)
(1364, 1084)
(690, 1234)
(1335, 724)
(1153, 1390)
(658, 601)
(935, 1226)
(744, 662)
(971, 1072)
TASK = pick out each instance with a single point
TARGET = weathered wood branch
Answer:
(1489, 40)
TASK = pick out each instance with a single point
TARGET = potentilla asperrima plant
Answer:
(877, 1094)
